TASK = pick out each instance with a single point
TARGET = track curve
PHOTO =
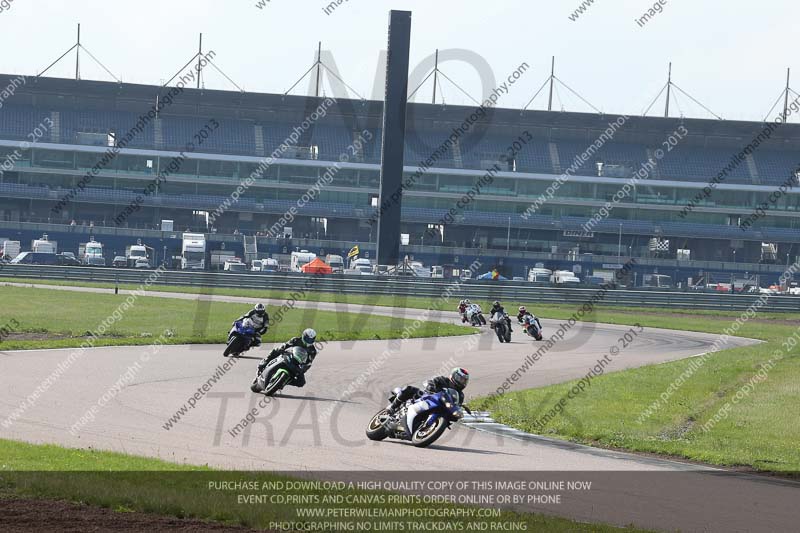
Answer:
(288, 433)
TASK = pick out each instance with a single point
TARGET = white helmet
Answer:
(309, 337)
(459, 377)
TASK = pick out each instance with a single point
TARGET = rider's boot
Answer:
(395, 405)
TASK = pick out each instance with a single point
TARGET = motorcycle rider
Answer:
(525, 317)
(458, 380)
(260, 319)
(498, 308)
(462, 309)
(306, 340)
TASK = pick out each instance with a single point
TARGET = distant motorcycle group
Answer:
(500, 321)
(416, 415)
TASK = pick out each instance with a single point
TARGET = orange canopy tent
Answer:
(317, 266)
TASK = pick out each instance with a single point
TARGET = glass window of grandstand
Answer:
(269, 174)
(576, 190)
(730, 198)
(345, 177)
(606, 192)
(304, 175)
(653, 195)
(369, 179)
(502, 186)
(86, 160)
(135, 164)
(188, 167)
(532, 187)
(53, 159)
(217, 169)
(13, 159)
(456, 183)
(427, 182)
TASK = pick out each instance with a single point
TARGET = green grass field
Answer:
(759, 430)
(45, 318)
(127, 483)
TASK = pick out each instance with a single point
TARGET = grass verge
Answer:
(43, 318)
(736, 407)
(129, 483)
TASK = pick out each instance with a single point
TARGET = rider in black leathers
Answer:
(306, 340)
(497, 308)
(258, 315)
(457, 380)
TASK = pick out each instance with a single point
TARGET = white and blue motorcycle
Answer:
(421, 421)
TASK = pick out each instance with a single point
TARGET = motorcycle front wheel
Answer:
(426, 435)
(276, 382)
(376, 429)
(235, 346)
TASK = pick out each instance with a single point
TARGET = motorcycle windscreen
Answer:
(300, 355)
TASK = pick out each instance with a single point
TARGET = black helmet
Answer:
(496, 303)
(260, 309)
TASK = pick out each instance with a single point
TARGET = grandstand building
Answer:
(87, 151)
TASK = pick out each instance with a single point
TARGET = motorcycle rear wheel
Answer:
(424, 436)
(376, 429)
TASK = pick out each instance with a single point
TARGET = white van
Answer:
(564, 277)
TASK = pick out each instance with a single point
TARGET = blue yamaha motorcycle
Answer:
(431, 415)
(240, 337)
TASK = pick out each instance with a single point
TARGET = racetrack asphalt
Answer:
(293, 432)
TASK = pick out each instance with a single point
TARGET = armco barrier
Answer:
(404, 287)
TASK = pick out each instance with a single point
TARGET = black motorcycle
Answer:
(281, 371)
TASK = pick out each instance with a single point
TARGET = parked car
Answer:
(119, 261)
(142, 262)
(67, 259)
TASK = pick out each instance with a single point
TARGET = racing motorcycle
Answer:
(532, 329)
(240, 337)
(500, 324)
(281, 371)
(434, 413)
(474, 315)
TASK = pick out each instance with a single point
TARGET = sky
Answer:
(730, 55)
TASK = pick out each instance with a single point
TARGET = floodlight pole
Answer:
(435, 74)
(786, 96)
(199, 58)
(319, 67)
(552, 79)
(669, 86)
(78, 54)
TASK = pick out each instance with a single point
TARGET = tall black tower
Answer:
(394, 135)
